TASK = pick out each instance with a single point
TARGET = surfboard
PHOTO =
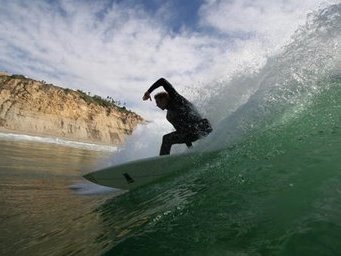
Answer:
(137, 173)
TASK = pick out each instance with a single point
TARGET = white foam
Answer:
(58, 141)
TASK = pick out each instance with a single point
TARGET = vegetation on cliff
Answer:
(107, 102)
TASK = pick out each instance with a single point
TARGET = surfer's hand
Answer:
(146, 96)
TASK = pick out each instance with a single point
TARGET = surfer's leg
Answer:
(172, 138)
(167, 142)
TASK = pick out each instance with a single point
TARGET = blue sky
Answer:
(118, 48)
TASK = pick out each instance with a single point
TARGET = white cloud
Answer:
(258, 17)
(110, 49)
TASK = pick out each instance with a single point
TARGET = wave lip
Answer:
(286, 86)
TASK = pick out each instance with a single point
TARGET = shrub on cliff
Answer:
(17, 76)
(107, 103)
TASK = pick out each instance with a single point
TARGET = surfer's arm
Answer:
(165, 84)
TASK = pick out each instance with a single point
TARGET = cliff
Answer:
(32, 107)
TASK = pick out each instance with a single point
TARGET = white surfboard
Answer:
(133, 174)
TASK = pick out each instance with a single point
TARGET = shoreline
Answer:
(12, 135)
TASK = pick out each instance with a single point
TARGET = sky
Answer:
(118, 48)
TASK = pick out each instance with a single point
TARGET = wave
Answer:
(272, 187)
(285, 87)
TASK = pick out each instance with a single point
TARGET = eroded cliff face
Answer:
(29, 106)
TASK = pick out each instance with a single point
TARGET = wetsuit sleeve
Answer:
(166, 85)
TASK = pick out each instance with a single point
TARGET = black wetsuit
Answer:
(181, 113)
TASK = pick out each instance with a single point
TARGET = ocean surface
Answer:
(272, 187)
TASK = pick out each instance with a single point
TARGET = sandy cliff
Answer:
(33, 107)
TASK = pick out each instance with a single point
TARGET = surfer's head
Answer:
(162, 99)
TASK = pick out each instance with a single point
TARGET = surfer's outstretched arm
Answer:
(165, 84)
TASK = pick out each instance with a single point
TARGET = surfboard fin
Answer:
(128, 178)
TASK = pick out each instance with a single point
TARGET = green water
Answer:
(278, 193)
(40, 214)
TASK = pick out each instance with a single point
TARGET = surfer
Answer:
(189, 125)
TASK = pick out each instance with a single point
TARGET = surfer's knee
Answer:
(167, 138)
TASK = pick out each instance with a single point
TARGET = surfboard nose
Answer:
(90, 178)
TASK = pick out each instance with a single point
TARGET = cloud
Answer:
(115, 49)
(270, 22)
